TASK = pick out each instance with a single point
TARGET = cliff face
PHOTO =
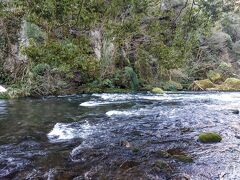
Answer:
(152, 43)
(12, 38)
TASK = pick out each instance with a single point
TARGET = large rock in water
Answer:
(2, 89)
(202, 85)
(210, 137)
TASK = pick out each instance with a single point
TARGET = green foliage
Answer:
(107, 83)
(4, 77)
(65, 56)
(131, 77)
(34, 32)
(41, 69)
(138, 39)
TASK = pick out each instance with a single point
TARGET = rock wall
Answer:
(13, 38)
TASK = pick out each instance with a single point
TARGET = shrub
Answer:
(131, 77)
(41, 69)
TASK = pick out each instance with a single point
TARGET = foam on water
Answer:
(121, 113)
(65, 132)
(98, 103)
(2, 89)
(122, 97)
(216, 96)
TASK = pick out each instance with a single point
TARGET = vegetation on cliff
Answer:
(51, 47)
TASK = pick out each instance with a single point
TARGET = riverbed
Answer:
(120, 136)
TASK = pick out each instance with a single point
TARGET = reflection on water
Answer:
(119, 136)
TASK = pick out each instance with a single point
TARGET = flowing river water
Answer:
(120, 136)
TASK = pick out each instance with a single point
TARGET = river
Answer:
(120, 136)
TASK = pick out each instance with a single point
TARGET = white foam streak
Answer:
(121, 113)
(2, 89)
(65, 132)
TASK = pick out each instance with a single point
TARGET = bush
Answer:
(131, 78)
(107, 83)
(72, 59)
(41, 69)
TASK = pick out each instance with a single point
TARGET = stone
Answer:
(231, 84)
(163, 165)
(183, 158)
(210, 137)
(202, 85)
(129, 164)
(235, 111)
(214, 76)
(157, 90)
(172, 86)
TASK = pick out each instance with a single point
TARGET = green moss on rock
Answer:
(183, 158)
(157, 90)
(202, 85)
(172, 86)
(214, 76)
(209, 137)
(231, 84)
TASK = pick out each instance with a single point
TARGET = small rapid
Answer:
(120, 136)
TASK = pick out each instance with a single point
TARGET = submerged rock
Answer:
(129, 164)
(163, 154)
(209, 137)
(163, 165)
(202, 85)
(183, 158)
(125, 144)
(235, 111)
(157, 90)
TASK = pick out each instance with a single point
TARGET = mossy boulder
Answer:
(209, 137)
(157, 90)
(172, 86)
(231, 84)
(214, 76)
(226, 70)
(183, 158)
(202, 85)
